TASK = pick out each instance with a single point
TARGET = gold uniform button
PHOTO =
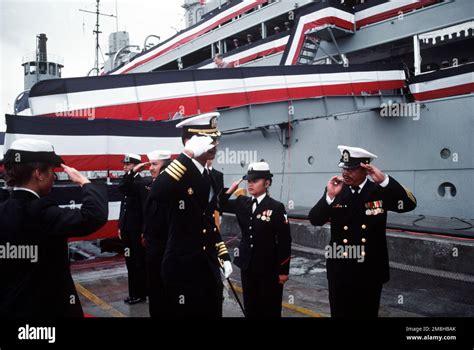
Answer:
(363, 253)
(204, 248)
(213, 215)
(250, 227)
(251, 236)
(204, 231)
(215, 229)
(364, 227)
(363, 240)
(344, 254)
(345, 228)
(344, 240)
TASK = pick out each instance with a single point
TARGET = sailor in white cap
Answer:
(265, 246)
(195, 252)
(158, 160)
(131, 225)
(156, 236)
(41, 286)
(135, 212)
(356, 203)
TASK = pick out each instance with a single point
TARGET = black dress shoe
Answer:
(136, 300)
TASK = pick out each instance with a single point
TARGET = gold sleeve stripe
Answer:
(220, 244)
(223, 249)
(410, 194)
(179, 164)
(177, 169)
(172, 175)
(174, 172)
(223, 253)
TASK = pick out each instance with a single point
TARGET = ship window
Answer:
(52, 69)
(42, 68)
(59, 71)
(26, 68)
(445, 153)
(32, 68)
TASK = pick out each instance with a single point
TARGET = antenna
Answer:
(97, 32)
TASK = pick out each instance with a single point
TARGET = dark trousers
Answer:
(134, 253)
(156, 296)
(262, 295)
(354, 301)
(196, 295)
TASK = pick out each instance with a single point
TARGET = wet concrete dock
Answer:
(102, 286)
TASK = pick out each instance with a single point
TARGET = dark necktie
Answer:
(356, 189)
(355, 194)
(254, 201)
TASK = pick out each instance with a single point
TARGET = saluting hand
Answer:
(376, 174)
(334, 186)
(139, 167)
(75, 175)
(234, 186)
(198, 145)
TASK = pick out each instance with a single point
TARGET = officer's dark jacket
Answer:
(156, 226)
(132, 207)
(218, 184)
(356, 222)
(193, 238)
(45, 289)
(265, 247)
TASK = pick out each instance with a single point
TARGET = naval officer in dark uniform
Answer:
(155, 234)
(131, 226)
(357, 257)
(195, 252)
(40, 285)
(265, 247)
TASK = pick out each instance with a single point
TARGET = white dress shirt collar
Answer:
(26, 189)
(259, 198)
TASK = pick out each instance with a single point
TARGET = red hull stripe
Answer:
(164, 109)
(446, 92)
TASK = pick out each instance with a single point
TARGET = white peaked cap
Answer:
(159, 155)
